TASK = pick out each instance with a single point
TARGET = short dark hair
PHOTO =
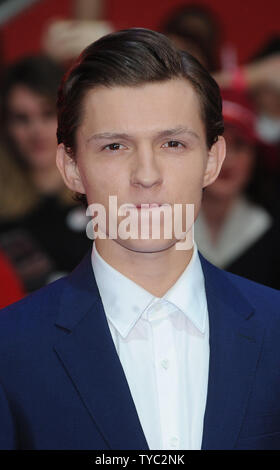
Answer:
(130, 58)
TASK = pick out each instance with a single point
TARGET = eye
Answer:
(19, 118)
(114, 147)
(173, 144)
(48, 114)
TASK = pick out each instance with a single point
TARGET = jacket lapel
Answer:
(235, 344)
(87, 352)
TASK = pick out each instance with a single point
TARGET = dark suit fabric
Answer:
(62, 385)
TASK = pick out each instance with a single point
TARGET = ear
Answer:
(69, 170)
(216, 156)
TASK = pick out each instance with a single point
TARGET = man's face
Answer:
(144, 144)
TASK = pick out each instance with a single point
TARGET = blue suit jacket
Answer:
(62, 385)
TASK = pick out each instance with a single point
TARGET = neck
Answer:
(46, 180)
(156, 272)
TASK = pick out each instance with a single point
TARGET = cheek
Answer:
(186, 178)
(244, 167)
(240, 167)
(51, 130)
(101, 179)
(19, 135)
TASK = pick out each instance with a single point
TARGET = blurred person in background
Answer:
(64, 39)
(42, 229)
(266, 97)
(235, 229)
(11, 288)
(196, 29)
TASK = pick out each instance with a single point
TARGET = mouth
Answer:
(147, 205)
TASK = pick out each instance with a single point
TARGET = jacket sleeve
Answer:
(7, 428)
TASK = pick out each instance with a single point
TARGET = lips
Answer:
(148, 205)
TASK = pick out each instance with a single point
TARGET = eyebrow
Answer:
(161, 134)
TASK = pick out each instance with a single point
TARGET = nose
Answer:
(36, 127)
(145, 172)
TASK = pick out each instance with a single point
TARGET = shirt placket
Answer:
(166, 372)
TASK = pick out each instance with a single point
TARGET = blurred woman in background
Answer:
(37, 213)
(235, 229)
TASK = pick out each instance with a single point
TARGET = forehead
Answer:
(20, 96)
(142, 109)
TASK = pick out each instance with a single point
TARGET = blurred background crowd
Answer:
(42, 227)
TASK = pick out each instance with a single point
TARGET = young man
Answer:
(144, 345)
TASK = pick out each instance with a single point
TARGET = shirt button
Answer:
(165, 363)
(174, 441)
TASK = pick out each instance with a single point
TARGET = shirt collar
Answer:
(188, 293)
(125, 301)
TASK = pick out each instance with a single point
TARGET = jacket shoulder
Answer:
(256, 293)
(232, 288)
(264, 300)
(35, 311)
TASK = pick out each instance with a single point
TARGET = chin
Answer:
(223, 191)
(147, 246)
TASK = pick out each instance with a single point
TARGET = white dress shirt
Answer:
(163, 346)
